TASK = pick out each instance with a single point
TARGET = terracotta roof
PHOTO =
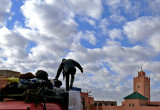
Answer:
(136, 95)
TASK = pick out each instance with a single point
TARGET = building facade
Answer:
(138, 100)
(9, 73)
(105, 103)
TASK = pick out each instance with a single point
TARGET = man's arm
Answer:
(59, 71)
(78, 65)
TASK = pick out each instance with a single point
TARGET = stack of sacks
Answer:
(28, 75)
(26, 79)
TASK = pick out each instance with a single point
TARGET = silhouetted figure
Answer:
(68, 67)
(41, 74)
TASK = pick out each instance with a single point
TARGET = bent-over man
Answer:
(68, 67)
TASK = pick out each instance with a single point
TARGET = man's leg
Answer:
(67, 82)
(72, 78)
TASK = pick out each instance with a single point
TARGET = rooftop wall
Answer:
(9, 74)
(154, 103)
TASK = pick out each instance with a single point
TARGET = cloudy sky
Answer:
(111, 39)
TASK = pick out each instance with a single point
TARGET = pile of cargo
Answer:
(36, 89)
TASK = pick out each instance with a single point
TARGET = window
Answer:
(129, 105)
(133, 105)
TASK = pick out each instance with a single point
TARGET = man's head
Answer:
(40, 74)
(63, 59)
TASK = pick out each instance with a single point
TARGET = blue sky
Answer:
(111, 39)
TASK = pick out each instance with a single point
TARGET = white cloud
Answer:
(154, 6)
(122, 60)
(124, 7)
(11, 39)
(115, 34)
(142, 28)
(89, 36)
(154, 41)
(53, 20)
(12, 44)
(4, 10)
(91, 8)
(13, 49)
(103, 25)
(117, 18)
(152, 66)
(115, 4)
(90, 21)
(51, 28)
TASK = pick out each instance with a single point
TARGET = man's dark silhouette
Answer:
(68, 67)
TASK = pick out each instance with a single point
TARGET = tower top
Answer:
(141, 73)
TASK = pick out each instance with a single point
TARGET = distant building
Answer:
(105, 103)
(140, 97)
(9, 73)
(138, 100)
(87, 101)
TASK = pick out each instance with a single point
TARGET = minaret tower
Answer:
(141, 84)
